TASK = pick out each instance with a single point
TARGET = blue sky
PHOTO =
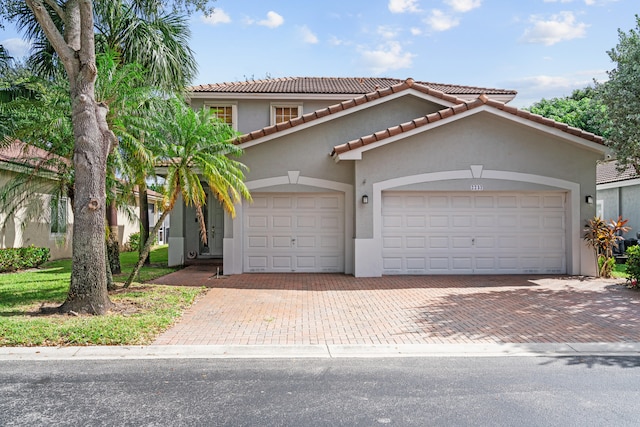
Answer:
(541, 48)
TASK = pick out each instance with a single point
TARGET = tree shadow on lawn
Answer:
(539, 315)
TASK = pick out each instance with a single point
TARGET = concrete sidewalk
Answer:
(319, 351)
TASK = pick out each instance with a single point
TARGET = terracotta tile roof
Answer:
(24, 154)
(607, 172)
(345, 105)
(335, 85)
(461, 107)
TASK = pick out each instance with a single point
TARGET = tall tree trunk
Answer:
(93, 139)
(113, 243)
(144, 219)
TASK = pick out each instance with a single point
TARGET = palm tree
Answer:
(140, 32)
(195, 147)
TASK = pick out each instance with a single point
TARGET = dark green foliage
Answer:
(13, 259)
(134, 242)
(621, 95)
(583, 110)
(633, 266)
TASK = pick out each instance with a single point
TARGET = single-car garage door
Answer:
(294, 232)
(473, 233)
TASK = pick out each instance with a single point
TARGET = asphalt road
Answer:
(495, 391)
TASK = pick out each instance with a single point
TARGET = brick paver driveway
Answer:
(339, 309)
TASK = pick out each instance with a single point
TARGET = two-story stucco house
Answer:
(377, 176)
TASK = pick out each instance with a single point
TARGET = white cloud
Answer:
(307, 35)
(273, 20)
(439, 21)
(560, 27)
(401, 6)
(464, 5)
(416, 31)
(389, 56)
(387, 32)
(17, 48)
(534, 88)
(218, 16)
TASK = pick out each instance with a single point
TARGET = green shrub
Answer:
(12, 259)
(633, 266)
(133, 244)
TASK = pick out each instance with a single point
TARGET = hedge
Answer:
(12, 259)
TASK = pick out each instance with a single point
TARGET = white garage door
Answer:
(473, 233)
(297, 232)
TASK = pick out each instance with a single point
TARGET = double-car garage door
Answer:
(422, 233)
(473, 233)
(294, 232)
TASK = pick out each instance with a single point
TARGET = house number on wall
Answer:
(476, 187)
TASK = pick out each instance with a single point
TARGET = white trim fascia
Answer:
(356, 154)
(618, 184)
(572, 187)
(342, 113)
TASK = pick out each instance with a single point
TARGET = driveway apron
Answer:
(268, 309)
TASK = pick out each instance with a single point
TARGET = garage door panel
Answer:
(462, 221)
(414, 242)
(280, 262)
(257, 221)
(439, 264)
(282, 202)
(483, 233)
(438, 221)
(330, 223)
(281, 242)
(296, 232)
(258, 242)
(280, 221)
(414, 221)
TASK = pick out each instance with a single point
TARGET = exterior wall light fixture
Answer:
(588, 200)
(365, 199)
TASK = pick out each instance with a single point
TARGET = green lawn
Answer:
(141, 312)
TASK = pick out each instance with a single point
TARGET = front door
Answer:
(214, 223)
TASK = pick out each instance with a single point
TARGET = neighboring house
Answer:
(372, 177)
(51, 225)
(618, 194)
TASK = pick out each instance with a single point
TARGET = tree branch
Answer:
(57, 9)
(87, 48)
(56, 39)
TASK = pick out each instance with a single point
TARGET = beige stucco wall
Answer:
(483, 139)
(255, 114)
(308, 149)
(18, 232)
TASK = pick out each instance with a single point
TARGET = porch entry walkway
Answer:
(262, 309)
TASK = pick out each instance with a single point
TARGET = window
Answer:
(600, 208)
(58, 215)
(225, 113)
(282, 113)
